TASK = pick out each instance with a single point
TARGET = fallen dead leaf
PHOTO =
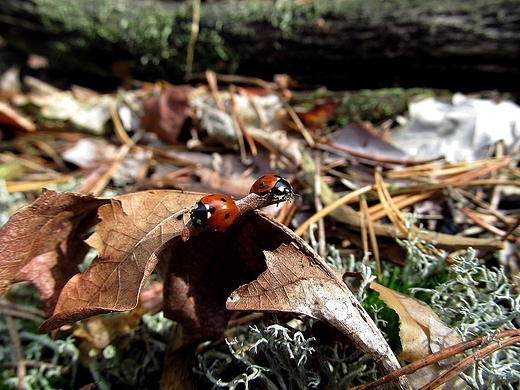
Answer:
(128, 239)
(316, 117)
(298, 281)
(42, 243)
(421, 332)
(99, 332)
(165, 114)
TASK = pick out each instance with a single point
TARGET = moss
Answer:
(152, 36)
(378, 105)
(365, 105)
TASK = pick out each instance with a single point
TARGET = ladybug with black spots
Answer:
(274, 185)
(215, 212)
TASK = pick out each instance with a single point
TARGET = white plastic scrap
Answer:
(464, 130)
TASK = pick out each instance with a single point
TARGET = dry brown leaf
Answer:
(99, 332)
(50, 271)
(297, 280)
(43, 243)
(421, 332)
(316, 117)
(165, 114)
(414, 340)
(128, 239)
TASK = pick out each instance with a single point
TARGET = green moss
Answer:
(366, 105)
(378, 105)
(150, 35)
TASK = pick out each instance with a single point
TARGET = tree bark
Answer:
(458, 44)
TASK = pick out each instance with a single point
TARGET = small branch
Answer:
(195, 4)
(512, 335)
(17, 350)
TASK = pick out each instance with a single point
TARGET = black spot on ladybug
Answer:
(227, 216)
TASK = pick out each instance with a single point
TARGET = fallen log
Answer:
(352, 44)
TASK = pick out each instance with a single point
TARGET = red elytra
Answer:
(278, 187)
(215, 212)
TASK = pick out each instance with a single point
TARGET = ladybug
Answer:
(215, 212)
(278, 187)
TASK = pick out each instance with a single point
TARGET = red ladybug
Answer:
(278, 187)
(215, 212)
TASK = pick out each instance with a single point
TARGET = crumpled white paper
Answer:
(463, 130)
